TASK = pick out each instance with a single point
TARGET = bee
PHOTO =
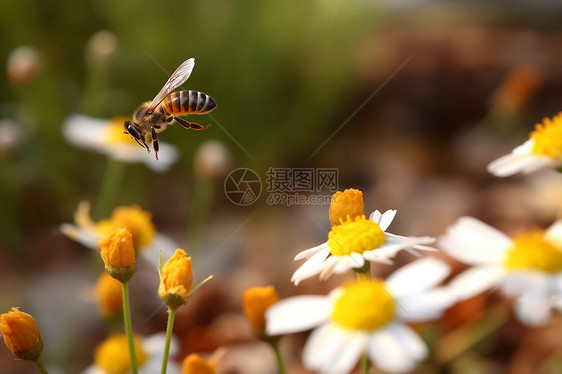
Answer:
(152, 117)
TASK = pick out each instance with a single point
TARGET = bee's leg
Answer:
(190, 125)
(145, 145)
(155, 144)
(136, 140)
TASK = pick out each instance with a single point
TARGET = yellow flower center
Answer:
(112, 355)
(136, 220)
(531, 250)
(356, 234)
(115, 131)
(548, 137)
(363, 305)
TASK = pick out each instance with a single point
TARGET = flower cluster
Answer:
(367, 319)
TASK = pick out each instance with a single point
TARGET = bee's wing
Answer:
(178, 78)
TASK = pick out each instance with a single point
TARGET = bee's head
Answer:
(135, 132)
(133, 129)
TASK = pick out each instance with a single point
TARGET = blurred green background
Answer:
(279, 76)
(422, 90)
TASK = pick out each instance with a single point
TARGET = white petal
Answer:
(375, 217)
(167, 156)
(386, 219)
(395, 349)
(154, 344)
(341, 264)
(533, 309)
(475, 280)
(82, 236)
(160, 243)
(521, 159)
(413, 241)
(93, 369)
(474, 242)
(378, 256)
(394, 245)
(557, 284)
(556, 302)
(307, 253)
(312, 266)
(297, 314)
(330, 349)
(529, 282)
(355, 260)
(426, 306)
(413, 345)
(417, 276)
(84, 131)
(155, 365)
(554, 233)
(328, 266)
(154, 347)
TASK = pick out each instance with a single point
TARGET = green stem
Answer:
(111, 183)
(202, 201)
(128, 326)
(280, 364)
(365, 363)
(40, 366)
(365, 269)
(169, 327)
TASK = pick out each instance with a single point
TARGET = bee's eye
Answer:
(133, 129)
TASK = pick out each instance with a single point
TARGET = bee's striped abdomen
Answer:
(186, 102)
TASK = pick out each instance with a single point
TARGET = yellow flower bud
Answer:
(256, 301)
(21, 334)
(346, 203)
(176, 278)
(112, 355)
(109, 295)
(195, 364)
(118, 254)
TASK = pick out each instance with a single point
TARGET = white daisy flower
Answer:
(543, 149)
(112, 355)
(148, 243)
(107, 136)
(527, 267)
(366, 316)
(355, 241)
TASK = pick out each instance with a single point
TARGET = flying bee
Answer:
(152, 117)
